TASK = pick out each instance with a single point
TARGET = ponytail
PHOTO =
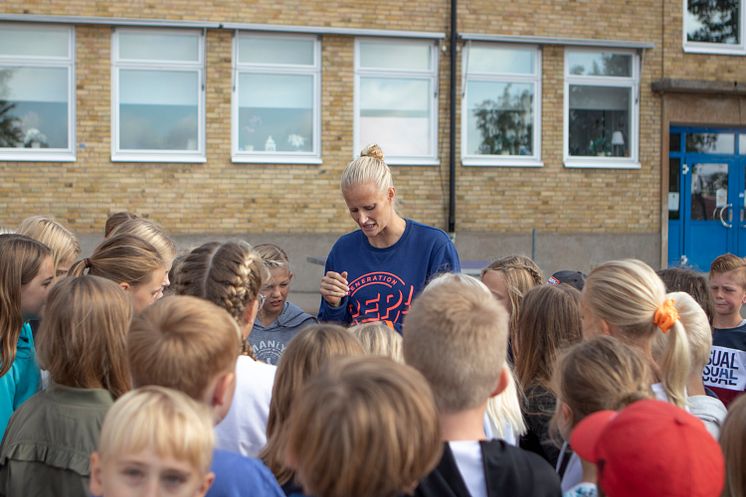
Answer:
(676, 364)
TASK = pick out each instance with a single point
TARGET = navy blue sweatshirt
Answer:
(383, 281)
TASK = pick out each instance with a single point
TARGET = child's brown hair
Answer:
(600, 374)
(729, 262)
(82, 341)
(115, 219)
(153, 233)
(21, 261)
(384, 436)
(548, 321)
(521, 274)
(123, 259)
(182, 343)
(312, 348)
(679, 279)
(733, 443)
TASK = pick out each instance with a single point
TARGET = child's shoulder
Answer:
(235, 473)
(741, 328)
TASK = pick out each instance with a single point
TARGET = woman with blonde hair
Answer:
(132, 263)
(61, 241)
(627, 300)
(311, 349)
(231, 275)
(374, 273)
(82, 344)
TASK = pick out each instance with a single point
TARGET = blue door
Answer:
(707, 195)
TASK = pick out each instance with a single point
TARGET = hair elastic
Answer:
(87, 262)
(666, 315)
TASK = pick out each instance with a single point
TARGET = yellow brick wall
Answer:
(220, 196)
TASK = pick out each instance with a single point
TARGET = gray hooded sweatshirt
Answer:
(269, 342)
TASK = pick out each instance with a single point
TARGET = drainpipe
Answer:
(452, 125)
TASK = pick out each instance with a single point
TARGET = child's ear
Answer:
(124, 286)
(565, 413)
(606, 328)
(502, 382)
(96, 485)
(290, 277)
(206, 484)
(249, 314)
(222, 395)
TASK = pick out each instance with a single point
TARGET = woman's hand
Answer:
(334, 287)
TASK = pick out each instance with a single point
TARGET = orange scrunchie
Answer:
(666, 315)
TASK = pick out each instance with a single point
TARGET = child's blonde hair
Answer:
(380, 340)
(456, 336)
(548, 321)
(21, 261)
(697, 328)
(123, 259)
(61, 241)
(503, 410)
(599, 374)
(82, 341)
(183, 343)
(273, 256)
(165, 420)
(153, 233)
(312, 348)
(629, 297)
(368, 168)
(115, 219)
(371, 419)
(228, 274)
(733, 443)
(521, 274)
(729, 262)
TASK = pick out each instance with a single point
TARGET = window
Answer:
(713, 26)
(37, 99)
(501, 116)
(396, 97)
(276, 100)
(601, 108)
(158, 96)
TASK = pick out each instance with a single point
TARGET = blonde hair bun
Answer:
(373, 150)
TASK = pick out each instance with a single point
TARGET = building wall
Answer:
(222, 197)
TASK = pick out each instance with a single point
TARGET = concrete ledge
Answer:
(669, 85)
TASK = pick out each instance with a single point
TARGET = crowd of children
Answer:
(622, 383)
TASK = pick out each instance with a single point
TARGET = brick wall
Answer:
(220, 196)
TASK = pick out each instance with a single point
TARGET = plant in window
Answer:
(713, 21)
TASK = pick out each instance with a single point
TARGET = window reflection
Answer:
(709, 184)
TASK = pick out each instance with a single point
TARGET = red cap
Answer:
(651, 449)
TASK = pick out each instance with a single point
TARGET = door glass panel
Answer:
(709, 191)
(674, 175)
(674, 142)
(742, 144)
(711, 143)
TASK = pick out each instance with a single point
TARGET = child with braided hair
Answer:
(231, 274)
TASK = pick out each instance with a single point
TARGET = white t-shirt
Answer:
(468, 456)
(244, 429)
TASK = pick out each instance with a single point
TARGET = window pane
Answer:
(712, 21)
(275, 113)
(599, 121)
(674, 142)
(34, 107)
(711, 143)
(395, 113)
(742, 144)
(500, 60)
(599, 64)
(175, 47)
(266, 50)
(709, 181)
(34, 41)
(158, 110)
(500, 118)
(674, 177)
(404, 56)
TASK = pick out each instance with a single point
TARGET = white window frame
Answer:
(431, 76)
(534, 79)
(632, 82)
(178, 156)
(715, 48)
(261, 157)
(43, 62)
